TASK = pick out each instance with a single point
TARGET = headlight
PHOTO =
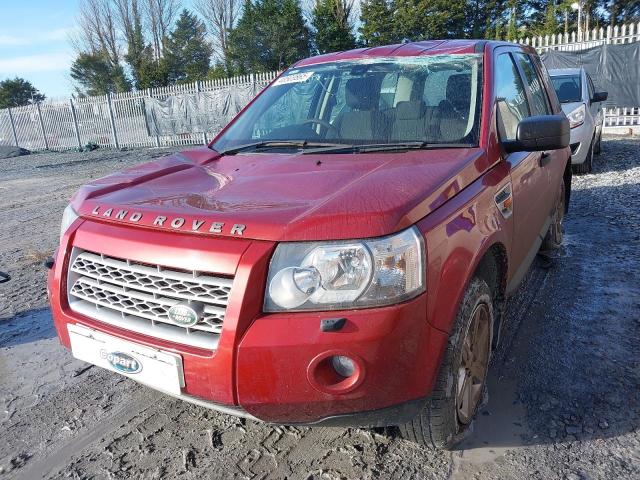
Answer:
(346, 274)
(68, 217)
(576, 117)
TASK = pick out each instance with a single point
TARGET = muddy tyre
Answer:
(555, 235)
(587, 165)
(460, 385)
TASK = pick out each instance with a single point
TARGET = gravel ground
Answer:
(564, 396)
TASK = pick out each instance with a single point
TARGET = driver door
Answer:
(529, 183)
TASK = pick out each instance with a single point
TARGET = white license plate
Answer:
(155, 368)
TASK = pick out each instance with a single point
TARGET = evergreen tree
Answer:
(187, 53)
(482, 17)
(17, 92)
(144, 69)
(512, 28)
(218, 71)
(429, 19)
(392, 21)
(623, 11)
(550, 19)
(332, 27)
(376, 18)
(271, 35)
(95, 73)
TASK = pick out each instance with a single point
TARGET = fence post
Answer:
(75, 122)
(112, 119)
(13, 128)
(157, 137)
(204, 133)
(44, 134)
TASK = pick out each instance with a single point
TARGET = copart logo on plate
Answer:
(123, 362)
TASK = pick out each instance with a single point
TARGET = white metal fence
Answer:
(109, 121)
(619, 118)
(576, 41)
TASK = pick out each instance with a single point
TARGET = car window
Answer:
(539, 102)
(567, 87)
(367, 101)
(388, 91)
(291, 108)
(511, 100)
(435, 88)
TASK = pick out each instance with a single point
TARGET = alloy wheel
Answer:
(473, 364)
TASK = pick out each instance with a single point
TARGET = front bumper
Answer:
(273, 367)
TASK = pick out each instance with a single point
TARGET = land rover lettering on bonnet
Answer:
(177, 223)
(340, 253)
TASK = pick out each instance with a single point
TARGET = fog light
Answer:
(343, 366)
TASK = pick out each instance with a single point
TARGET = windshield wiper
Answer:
(387, 147)
(279, 144)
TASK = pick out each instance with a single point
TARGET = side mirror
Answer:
(542, 132)
(599, 97)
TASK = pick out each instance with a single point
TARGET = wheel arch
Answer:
(493, 268)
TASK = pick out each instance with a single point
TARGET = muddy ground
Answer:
(564, 389)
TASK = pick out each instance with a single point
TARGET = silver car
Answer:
(582, 106)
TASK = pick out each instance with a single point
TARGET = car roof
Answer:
(409, 49)
(554, 72)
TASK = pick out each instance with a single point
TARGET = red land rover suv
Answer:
(340, 253)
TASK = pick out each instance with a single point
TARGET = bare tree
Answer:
(128, 12)
(98, 30)
(160, 15)
(221, 16)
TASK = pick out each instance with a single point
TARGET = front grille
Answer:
(137, 296)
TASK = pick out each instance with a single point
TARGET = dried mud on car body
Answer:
(564, 397)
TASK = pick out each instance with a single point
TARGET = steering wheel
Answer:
(324, 123)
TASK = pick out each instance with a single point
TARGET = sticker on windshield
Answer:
(293, 78)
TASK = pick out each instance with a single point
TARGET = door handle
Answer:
(545, 158)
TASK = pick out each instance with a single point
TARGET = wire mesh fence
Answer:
(116, 120)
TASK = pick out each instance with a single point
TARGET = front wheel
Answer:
(554, 237)
(460, 385)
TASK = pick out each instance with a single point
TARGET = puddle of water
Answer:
(499, 426)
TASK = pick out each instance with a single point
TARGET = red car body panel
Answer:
(286, 197)
(266, 363)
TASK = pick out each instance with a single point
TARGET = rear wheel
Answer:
(587, 165)
(460, 385)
